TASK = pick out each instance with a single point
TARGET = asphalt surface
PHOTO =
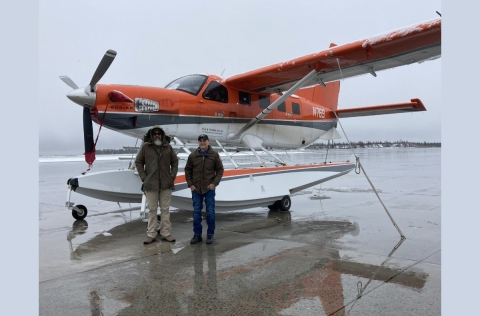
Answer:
(335, 252)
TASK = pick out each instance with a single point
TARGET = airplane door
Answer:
(214, 113)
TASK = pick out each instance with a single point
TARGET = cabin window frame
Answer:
(244, 98)
(213, 87)
(297, 106)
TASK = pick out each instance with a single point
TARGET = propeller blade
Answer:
(69, 82)
(102, 67)
(88, 136)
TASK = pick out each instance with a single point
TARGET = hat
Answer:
(203, 136)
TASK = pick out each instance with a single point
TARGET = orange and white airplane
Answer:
(286, 105)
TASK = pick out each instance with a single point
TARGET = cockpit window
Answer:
(216, 92)
(190, 84)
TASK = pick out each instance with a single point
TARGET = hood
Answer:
(148, 137)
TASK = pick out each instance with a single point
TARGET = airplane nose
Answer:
(82, 97)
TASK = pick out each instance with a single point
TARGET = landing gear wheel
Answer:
(284, 204)
(79, 212)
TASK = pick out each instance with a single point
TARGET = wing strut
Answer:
(178, 141)
(228, 155)
(274, 105)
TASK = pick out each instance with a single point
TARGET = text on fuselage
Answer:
(318, 112)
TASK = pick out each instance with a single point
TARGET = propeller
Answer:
(102, 67)
(86, 97)
(88, 136)
(69, 82)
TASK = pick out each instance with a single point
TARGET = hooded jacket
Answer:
(157, 166)
(202, 170)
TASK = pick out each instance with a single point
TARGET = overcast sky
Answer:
(158, 41)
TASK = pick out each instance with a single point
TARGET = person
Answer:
(157, 166)
(203, 172)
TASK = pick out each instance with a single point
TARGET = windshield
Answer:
(191, 84)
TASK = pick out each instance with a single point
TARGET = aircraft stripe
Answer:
(124, 121)
(234, 174)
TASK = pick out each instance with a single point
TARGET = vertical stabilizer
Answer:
(326, 96)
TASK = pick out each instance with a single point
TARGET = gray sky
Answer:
(157, 42)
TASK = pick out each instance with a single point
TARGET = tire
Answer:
(284, 204)
(79, 212)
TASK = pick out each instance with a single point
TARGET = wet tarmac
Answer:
(334, 253)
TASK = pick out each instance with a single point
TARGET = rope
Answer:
(100, 128)
(358, 165)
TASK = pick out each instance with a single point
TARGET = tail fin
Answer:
(326, 96)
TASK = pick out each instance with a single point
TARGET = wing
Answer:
(414, 106)
(416, 43)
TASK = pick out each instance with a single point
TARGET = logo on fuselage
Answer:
(145, 105)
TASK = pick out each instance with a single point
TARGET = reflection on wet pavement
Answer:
(265, 265)
(334, 253)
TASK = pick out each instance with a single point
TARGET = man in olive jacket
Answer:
(157, 166)
(203, 172)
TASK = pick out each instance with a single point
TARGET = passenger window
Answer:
(216, 92)
(282, 107)
(264, 101)
(295, 108)
(244, 98)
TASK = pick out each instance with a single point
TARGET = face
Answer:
(203, 143)
(157, 135)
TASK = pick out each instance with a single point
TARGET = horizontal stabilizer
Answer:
(413, 106)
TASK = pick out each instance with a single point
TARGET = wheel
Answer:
(273, 207)
(284, 204)
(79, 212)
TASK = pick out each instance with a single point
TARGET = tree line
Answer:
(360, 144)
(375, 144)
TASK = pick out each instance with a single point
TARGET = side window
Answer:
(244, 98)
(216, 92)
(295, 108)
(282, 107)
(264, 101)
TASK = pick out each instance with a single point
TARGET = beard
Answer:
(157, 142)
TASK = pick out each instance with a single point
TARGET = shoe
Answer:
(209, 239)
(169, 238)
(196, 239)
(149, 240)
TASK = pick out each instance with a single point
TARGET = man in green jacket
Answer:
(157, 166)
(203, 172)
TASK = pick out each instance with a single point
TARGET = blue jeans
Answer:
(209, 198)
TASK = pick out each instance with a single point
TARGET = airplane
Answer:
(286, 105)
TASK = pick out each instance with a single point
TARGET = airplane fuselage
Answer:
(209, 107)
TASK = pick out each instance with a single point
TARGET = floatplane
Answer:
(287, 105)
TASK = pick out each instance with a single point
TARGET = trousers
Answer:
(198, 199)
(154, 198)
